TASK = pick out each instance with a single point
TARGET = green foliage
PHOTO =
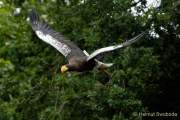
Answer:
(32, 88)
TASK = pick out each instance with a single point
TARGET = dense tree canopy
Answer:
(144, 75)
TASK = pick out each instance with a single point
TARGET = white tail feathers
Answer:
(101, 65)
(108, 64)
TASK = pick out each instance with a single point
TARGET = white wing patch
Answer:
(102, 50)
(111, 48)
(61, 47)
(85, 52)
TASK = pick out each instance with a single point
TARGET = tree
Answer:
(31, 86)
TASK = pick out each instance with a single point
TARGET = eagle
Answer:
(78, 60)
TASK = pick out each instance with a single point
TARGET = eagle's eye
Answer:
(64, 69)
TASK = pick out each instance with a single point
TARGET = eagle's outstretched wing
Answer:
(55, 39)
(111, 48)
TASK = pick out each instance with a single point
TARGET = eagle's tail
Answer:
(101, 65)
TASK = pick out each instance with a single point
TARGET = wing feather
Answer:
(55, 39)
(111, 48)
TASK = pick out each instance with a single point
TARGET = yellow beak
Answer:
(64, 68)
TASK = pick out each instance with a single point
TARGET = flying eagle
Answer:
(78, 60)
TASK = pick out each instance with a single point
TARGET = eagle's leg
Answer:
(107, 76)
(107, 73)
